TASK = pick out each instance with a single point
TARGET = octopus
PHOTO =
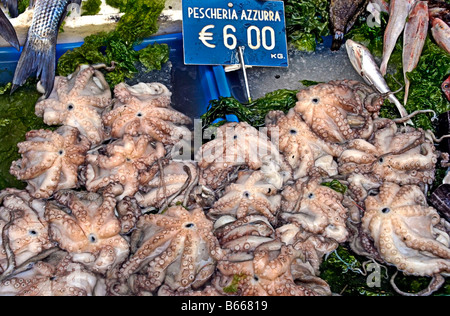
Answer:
(237, 145)
(330, 108)
(128, 212)
(176, 248)
(24, 229)
(144, 109)
(402, 157)
(125, 161)
(249, 195)
(407, 232)
(78, 101)
(268, 273)
(85, 225)
(56, 276)
(317, 209)
(50, 160)
(312, 247)
(305, 152)
(170, 186)
(243, 235)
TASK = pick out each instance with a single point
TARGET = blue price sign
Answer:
(213, 30)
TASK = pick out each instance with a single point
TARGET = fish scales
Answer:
(46, 19)
(39, 53)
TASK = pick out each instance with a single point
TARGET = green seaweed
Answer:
(153, 56)
(254, 112)
(22, 5)
(91, 7)
(234, 285)
(17, 117)
(336, 186)
(309, 83)
(425, 91)
(139, 21)
(306, 22)
(119, 4)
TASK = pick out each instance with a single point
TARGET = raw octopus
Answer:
(251, 217)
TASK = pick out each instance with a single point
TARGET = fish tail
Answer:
(43, 62)
(407, 84)
(401, 109)
(337, 41)
(13, 8)
(383, 66)
(7, 31)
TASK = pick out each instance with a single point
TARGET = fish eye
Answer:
(315, 100)
(70, 107)
(293, 132)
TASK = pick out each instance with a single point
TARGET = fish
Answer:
(343, 14)
(398, 13)
(441, 34)
(39, 52)
(446, 88)
(13, 7)
(7, 31)
(382, 5)
(364, 63)
(415, 33)
(439, 9)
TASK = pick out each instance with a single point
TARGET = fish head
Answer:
(446, 88)
(421, 9)
(438, 24)
(356, 52)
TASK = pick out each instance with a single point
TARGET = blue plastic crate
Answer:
(199, 84)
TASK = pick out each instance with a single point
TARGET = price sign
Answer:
(214, 29)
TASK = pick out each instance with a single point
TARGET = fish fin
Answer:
(407, 84)
(42, 62)
(337, 41)
(13, 7)
(7, 31)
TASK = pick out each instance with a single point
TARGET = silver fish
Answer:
(398, 13)
(364, 63)
(441, 34)
(7, 31)
(414, 36)
(39, 52)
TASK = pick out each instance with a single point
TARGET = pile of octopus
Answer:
(108, 211)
